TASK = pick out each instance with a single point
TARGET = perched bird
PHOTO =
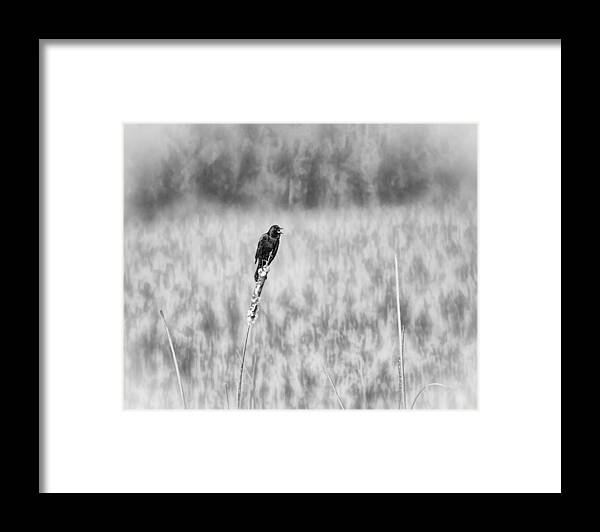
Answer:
(267, 248)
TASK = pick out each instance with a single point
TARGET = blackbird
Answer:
(267, 248)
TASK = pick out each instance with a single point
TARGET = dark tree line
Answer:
(306, 166)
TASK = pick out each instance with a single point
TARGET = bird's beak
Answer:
(281, 230)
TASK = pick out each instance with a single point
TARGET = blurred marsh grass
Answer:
(330, 303)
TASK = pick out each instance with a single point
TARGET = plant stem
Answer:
(334, 389)
(252, 392)
(239, 390)
(422, 391)
(245, 368)
(174, 358)
(401, 382)
(403, 373)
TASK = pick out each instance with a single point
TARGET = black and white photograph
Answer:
(301, 266)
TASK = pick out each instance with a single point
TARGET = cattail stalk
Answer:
(241, 381)
(174, 358)
(252, 312)
(245, 368)
(401, 381)
(251, 399)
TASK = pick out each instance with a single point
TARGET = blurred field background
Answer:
(197, 199)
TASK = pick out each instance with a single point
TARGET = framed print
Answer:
(300, 266)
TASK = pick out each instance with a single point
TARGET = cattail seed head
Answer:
(258, 286)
